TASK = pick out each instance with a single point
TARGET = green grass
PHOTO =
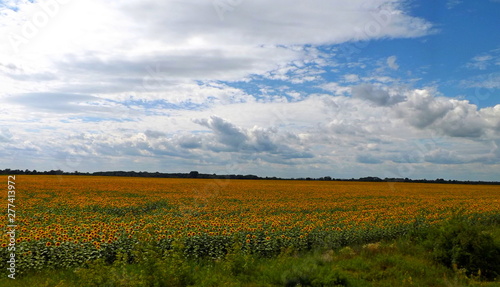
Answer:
(406, 261)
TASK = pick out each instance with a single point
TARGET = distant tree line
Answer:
(195, 174)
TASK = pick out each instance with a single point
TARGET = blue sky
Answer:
(386, 88)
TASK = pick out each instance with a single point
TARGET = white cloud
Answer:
(446, 116)
(485, 60)
(391, 62)
(490, 81)
(351, 78)
(480, 62)
(131, 43)
(163, 85)
(318, 132)
(453, 3)
(336, 88)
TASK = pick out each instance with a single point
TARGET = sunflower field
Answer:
(66, 221)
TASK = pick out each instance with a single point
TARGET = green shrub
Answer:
(312, 275)
(459, 245)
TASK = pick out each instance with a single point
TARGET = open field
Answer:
(68, 221)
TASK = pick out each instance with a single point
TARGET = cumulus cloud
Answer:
(226, 133)
(450, 117)
(422, 109)
(254, 140)
(322, 132)
(190, 141)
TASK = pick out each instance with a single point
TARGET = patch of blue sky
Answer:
(3, 5)
(264, 89)
(439, 59)
(468, 29)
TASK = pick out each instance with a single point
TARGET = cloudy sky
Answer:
(387, 88)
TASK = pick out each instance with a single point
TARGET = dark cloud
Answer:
(409, 157)
(190, 141)
(369, 159)
(375, 95)
(226, 133)
(231, 138)
(440, 156)
(154, 134)
(262, 140)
